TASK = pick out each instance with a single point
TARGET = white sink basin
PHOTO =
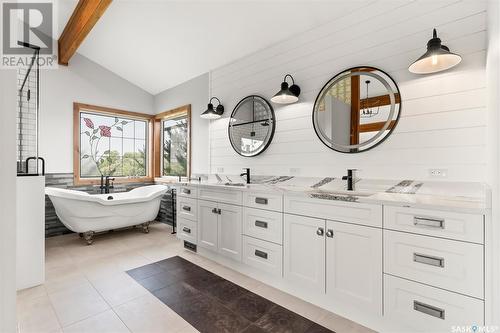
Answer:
(342, 193)
(353, 193)
(235, 184)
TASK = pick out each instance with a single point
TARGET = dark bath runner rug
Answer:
(212, 304)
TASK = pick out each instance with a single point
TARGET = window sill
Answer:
(118, 180)
(168, 179)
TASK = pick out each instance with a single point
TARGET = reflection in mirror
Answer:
(356, 110)
(251, 126)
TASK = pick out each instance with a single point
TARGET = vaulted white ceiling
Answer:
(160, 44)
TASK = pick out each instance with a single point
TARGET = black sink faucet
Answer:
(350, 179)
(247, 174)
(105, 185)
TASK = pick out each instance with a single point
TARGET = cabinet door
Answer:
(354, 265)
(230, 219)
(304, 246)
(207, 225)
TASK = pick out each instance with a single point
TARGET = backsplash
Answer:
(53, 225)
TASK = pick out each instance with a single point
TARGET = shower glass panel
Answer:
(28, 160)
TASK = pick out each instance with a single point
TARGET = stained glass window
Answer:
(112, 146)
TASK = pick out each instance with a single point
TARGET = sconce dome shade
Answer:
(210, 113)
(437, 58)
(286, 95)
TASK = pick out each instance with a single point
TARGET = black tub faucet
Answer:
(105, 185)
(247, 174)
(102, 184)
(109, 186)
(350, 179)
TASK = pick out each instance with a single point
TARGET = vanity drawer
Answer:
(263, 200)
(352, 212)
(187, 208)
(460, 226)
(421, 308)
(447, 264)
(263, 224)
(186, 230)
(263, 255)
(220, 195)
(187, 191)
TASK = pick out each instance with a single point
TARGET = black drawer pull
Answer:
(261, 254)
(186, 229)
(186, 208)
(261, 224)
(261, 201)
(428, 309)
(428, 260)
(186, 191)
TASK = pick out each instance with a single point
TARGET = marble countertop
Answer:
(466, 197)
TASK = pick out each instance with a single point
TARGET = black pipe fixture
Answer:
(210, 112)
(287, 95)
(437, 58)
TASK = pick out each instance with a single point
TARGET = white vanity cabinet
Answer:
(187, 208)
(263, 200)
(340, 259)
(304, 252)
(390, 267)
(229, 231)
(263, 224)
(354, 265)
(219, 228)
(433, 268)
(187, 213)
(187, 191)
(208, 225)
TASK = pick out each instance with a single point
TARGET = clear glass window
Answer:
(175, 143)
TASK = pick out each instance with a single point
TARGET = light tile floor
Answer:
(87, 289)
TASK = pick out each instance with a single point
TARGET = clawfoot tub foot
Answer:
(145, 227)
(89, 237)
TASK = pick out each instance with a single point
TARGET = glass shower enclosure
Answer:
(30, 181)
(29, 163)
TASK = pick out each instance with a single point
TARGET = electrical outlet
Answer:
(294, 171)
(438, 173)
(220, 170)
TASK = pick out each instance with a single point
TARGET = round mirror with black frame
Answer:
(251, 126)
(357, 110)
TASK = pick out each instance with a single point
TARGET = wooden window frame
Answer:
(158, 144)
(82, 107)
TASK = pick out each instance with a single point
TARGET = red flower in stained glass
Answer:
(105, 131)
(89, 123)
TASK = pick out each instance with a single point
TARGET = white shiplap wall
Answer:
(443, 120)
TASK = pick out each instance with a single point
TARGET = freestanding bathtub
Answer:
(87, 214)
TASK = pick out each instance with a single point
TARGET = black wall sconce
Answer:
(437, 58)
(210, 113)
(287, 95)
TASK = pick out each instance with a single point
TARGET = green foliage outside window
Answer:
(175, 146)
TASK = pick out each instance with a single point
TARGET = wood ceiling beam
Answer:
(81, 22)
(373, 102)
(355, 107)
(375, 127)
